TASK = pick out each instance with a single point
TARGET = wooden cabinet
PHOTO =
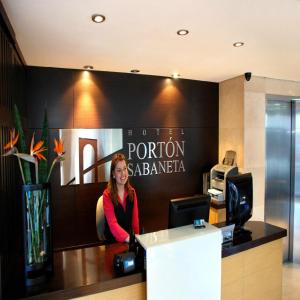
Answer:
(131, 292)
(253, 274)
(217, 215)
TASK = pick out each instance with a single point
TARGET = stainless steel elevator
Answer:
(282, 193)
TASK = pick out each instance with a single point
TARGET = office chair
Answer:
(100, 219)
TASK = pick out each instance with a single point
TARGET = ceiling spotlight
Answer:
(98, 18)
(88, 67)
(175, 75)
(238, 44)
(182, 32)
(135, 71)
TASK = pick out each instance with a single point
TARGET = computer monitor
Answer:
(239, 200)
(183, 211)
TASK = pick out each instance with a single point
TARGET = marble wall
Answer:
(242, 107)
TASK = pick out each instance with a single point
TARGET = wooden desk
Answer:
(251, 267)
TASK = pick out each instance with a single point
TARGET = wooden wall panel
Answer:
(253, 274)
(12, 79)
(51, 89)
(81, 99)
(132, 292)
(118, 100)
(155, 191)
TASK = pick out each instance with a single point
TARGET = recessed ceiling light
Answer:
(175, 75)
(182, 32)
(88, 67)
(135, 71)
(238, 44)
(98, 18)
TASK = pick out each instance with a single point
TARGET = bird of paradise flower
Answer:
(36, 201)
(35, 153)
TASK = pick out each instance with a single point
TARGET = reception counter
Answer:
(251, 266)
(177, 257)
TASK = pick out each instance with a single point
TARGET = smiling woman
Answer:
(120, 203)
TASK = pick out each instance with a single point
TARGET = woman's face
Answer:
(121, 173)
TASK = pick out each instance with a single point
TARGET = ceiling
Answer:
(141, 34)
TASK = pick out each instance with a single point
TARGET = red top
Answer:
(117, 231)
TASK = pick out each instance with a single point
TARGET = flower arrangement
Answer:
(34, 155)
(36, 199)
(37, 153)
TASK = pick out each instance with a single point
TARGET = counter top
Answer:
(259, 233)
(85, 271)
(89, 270)
(154, 239)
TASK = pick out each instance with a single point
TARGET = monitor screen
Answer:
(239, 199)
(183, 211)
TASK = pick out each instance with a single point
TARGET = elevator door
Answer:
(278, 167)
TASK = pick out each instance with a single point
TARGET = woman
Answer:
(120, 203)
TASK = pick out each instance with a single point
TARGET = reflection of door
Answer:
(87, 158)
(296, 223)
(278, 167)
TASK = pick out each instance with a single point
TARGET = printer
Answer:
(218, 175)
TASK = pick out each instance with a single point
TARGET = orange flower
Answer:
(37, 149)
(59, 150)
(13, 140)
(59, 147)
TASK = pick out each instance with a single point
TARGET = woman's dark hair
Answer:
(112, 185)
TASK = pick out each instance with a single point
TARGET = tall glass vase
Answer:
(37, 227)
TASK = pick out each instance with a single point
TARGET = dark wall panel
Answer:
(81, 99)
(155, 191)
(12, 81)
(116, 100)
(50, 89)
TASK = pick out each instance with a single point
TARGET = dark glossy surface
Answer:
(258, 234)
(85, 271)
(89, 270)
(218, 204)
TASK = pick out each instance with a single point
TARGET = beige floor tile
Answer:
(291, 281)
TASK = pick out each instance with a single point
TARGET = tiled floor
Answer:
(291, 281)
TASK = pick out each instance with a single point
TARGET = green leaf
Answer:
(43, 164)
(22, 144)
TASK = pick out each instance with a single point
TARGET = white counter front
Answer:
(183, 263)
